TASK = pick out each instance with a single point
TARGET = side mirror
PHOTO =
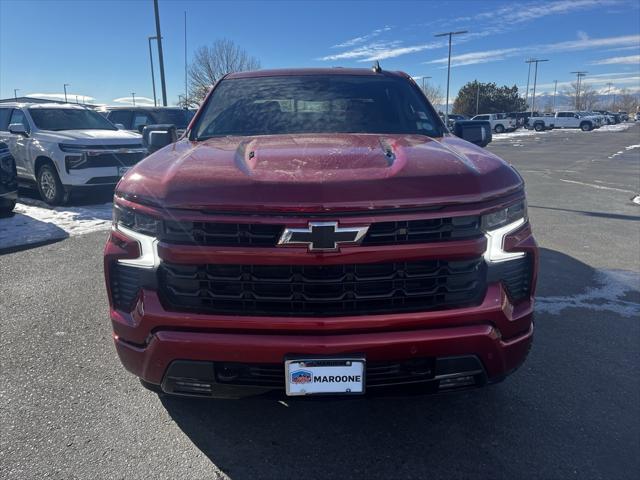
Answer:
(119, 126)
(155, 137)
(141, 128)
(477, 132)
(576, 116)
(18, 129)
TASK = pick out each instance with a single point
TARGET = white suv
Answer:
(62, 147)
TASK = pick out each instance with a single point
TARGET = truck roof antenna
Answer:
(376, 67)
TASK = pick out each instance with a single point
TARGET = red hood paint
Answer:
(319, 172)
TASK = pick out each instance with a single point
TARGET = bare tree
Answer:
(210, 63)
(587, 98)
(433, 93)
(625, 101)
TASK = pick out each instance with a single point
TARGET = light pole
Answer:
(449, 34)
(535, 79)
(477, 96)
(555, 88)
(526, 94)
(579, 75)
(65, 91)
(160, 56)
(609, 92)
(133, 96)
(186, 94)
(15, 93)
(423, 83)
(153, 77)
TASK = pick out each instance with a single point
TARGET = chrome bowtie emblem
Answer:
(322, 236)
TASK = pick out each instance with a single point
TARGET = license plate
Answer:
(343, 376)
(123, 170)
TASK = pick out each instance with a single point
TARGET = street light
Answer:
(579, 75)
(423, 83)
(526, 94)
(65, 91)
(160, 56)
(449, 34)
(609, 92)
(15, 93)
(153, 78)
(133, 96)
(555, 88)
(535, 79)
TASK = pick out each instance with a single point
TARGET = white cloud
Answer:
(380, 51)
(629, 60)
(146, 101)
(567, 46)
(71, 97)
(357, 40)
(582, 35)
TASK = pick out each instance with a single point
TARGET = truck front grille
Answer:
(267, 235)
(323, 290)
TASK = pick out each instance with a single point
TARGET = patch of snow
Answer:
(614, 128)
(631, 147)
(36, 222)
(518, 133)
(607, 296)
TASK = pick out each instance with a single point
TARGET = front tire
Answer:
(499, 129)
(585, 126)
(49, 185)
(7, 210)
(538, 127)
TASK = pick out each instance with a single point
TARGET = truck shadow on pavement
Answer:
(544, 421)
(21, 232)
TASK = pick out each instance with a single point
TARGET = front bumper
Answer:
(434, 335)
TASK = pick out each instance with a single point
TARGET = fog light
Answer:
(456, 382)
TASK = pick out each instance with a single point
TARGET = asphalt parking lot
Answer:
(69, 410)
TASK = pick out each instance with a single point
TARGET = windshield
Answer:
(179, 118)
(316, 104)
(56, 119)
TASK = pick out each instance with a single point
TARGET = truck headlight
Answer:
(142, 228)
(136, 221)
(497, 225)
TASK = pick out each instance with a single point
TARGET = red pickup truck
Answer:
(320, 232)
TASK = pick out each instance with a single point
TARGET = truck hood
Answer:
(318, 173)
(91, 137)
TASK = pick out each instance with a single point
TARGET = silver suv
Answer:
(62, 147)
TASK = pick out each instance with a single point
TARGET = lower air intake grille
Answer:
(125, 283)
(515, 275)
(323, 290)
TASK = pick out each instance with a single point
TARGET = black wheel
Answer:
(538, 127)
(499, 129)
(152, 387)
(7, 209)
(49, 185)
(585, 126)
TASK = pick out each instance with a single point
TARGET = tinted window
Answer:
(5, 113)
(121, 116)
(179, 118)
(69, 119)
(139, 119)
(18, 116)
(482, 117)
(316, 104)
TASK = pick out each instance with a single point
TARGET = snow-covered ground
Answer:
(35, 222)
(523, 132)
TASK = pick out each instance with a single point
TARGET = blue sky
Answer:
(100, 47)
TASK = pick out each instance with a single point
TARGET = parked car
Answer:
(598, 119)
(612, 118)
(624, 116)
(638, 117)
(308, 236)
(136, 118)
(520, 118)
(564, 119)
(499, 121)
(8, 181)
(455, 117)
(62, 147)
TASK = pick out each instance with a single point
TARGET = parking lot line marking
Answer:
(599, 187)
